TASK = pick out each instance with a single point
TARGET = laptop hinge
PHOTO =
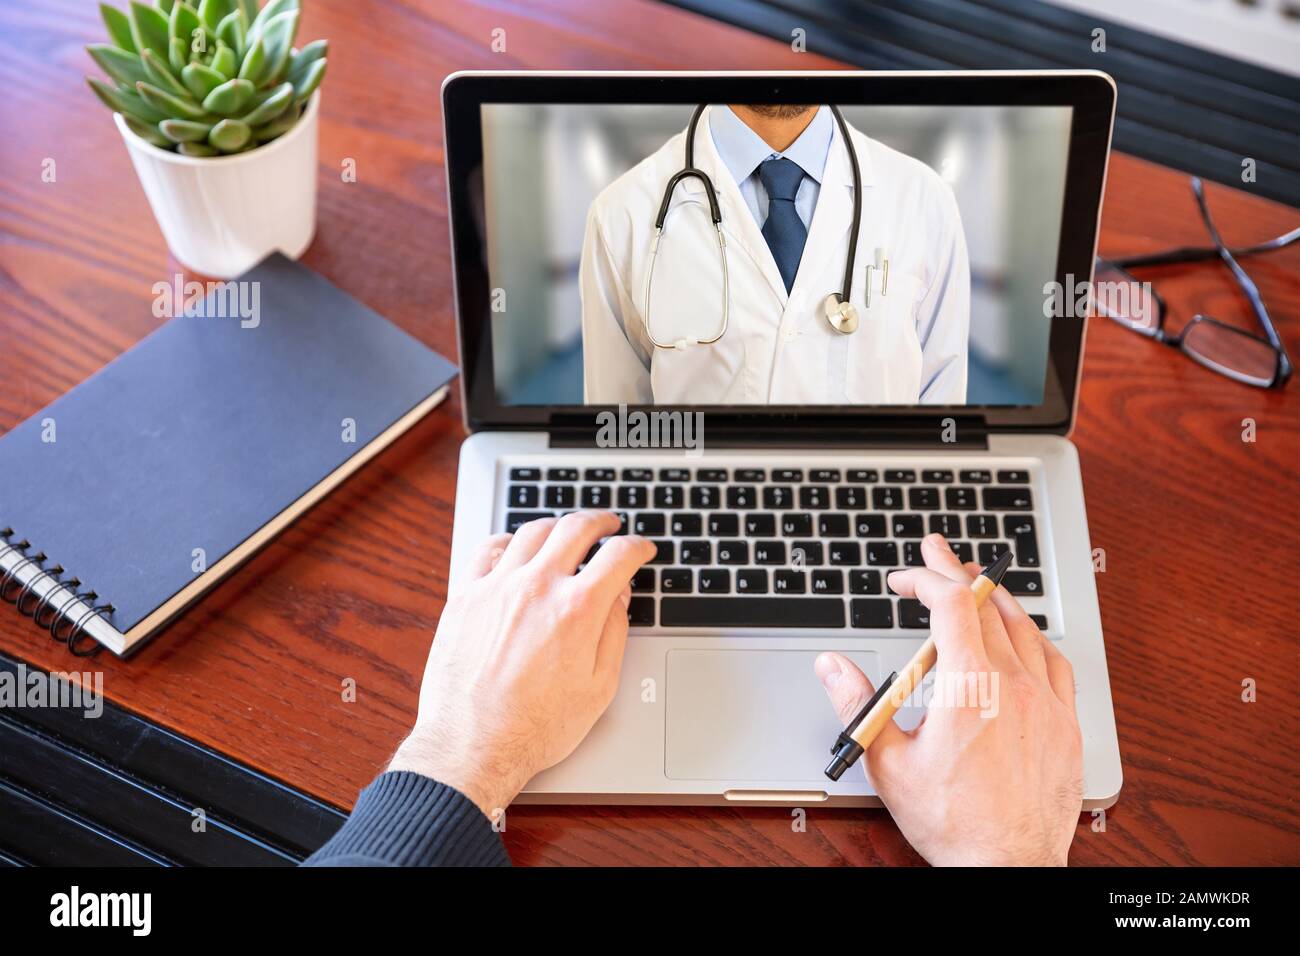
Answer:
(957, 433)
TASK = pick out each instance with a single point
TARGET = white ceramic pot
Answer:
(222, 215)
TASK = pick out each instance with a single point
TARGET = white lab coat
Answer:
(779, 349)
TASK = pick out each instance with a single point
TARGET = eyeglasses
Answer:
(1242, 356)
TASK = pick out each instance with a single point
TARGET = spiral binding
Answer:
(57, 622)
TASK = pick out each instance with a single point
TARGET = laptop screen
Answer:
(608, 287)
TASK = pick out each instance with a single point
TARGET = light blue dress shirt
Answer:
(742, 151)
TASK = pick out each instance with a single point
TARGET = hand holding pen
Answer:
(994, 780)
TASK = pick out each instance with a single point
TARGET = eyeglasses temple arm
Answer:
(1247, 284)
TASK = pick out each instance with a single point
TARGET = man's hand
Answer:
(965, 787)
(526, 656)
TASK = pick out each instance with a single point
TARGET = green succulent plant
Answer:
(208, 81)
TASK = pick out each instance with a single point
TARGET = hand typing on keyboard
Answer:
(526, 657)
(977, 784)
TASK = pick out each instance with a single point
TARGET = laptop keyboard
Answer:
(792, 547)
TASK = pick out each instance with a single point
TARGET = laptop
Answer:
(785, 422)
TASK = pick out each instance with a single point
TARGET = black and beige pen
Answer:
(885, 702)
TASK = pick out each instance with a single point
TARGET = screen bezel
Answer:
(1090, 95)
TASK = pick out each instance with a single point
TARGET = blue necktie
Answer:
(783, 230)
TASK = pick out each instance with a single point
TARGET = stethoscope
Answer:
(837, 307)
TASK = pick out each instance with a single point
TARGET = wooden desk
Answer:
(354, 590)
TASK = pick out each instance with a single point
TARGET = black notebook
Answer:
(139, 490)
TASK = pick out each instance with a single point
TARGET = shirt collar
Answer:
(741, 149)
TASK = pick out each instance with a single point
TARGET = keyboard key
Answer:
(872, 612)
(900, 474)
(760, 526)
(796, 525)
(1027, 583)
(598, 474)
(833, 526)
(751, 474)
(923, 499)
(1040, 620)
(871, 526)
(715, 581)
(769, 552)
(882, 553)
(695, 552)
(945, 524)
(912, 554)
(989, 551)
(887, 498)
(828, 475)
(778, 497)
(787, 474)
(817, 497)
(977, 476)
(561, 474)
(596, 496)
(561, 496)
(706, 497)
(1013, 477)
(525, 474)
(664, 552)
(845, 552)
(789, 582)
(711, 474)
(827, 581)
(908, 526)
(742, 497)
(724, 526)
(648, 524)
(863, 476)
(733, 552)
(523, 496)
(959, 498)
(1008, 499)
(751, 581)
(1020, 529)
(913, 614)
(850, 498)
(674, 474)
(635, 497)
(981, 526)
(751, 612)
(938, 476)
(806, 553)
(622, 522)
(516, 519)
(638, 474)
(676, 581)
(641, 612)
(686, 524)
(963, 550)
(669, 496)
(864, 582)
(643, 581)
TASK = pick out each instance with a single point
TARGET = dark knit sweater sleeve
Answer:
(405, 819)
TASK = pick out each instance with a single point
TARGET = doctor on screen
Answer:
(751, 309)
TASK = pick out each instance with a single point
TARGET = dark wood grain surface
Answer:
(1175, 497)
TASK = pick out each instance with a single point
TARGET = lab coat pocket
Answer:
(884, 366)
(700, 374)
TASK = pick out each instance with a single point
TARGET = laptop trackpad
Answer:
(750, 715)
